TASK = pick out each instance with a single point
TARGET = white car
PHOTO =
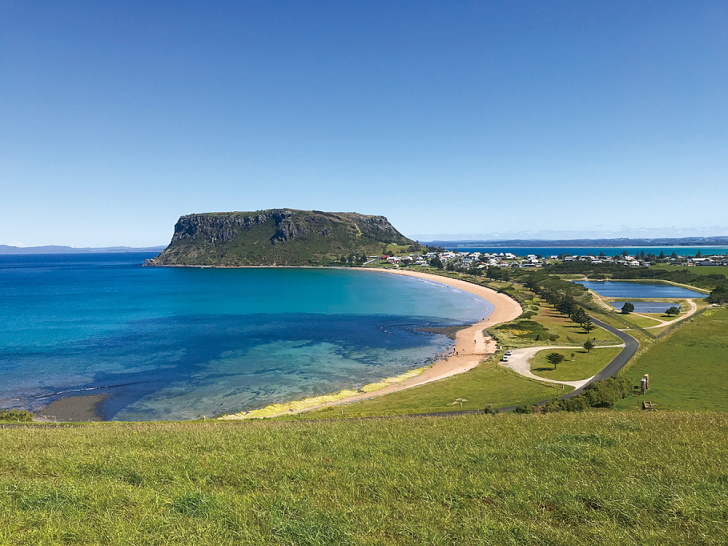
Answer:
(509, 353)
(504, 358)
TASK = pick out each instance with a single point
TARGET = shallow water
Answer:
(180, 343)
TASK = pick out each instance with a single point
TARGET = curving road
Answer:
(630, 348)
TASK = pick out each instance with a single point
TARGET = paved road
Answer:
(630, 348)
(520, 363)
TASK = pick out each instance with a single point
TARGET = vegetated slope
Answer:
(278, 237)
(688, 368)
(594, 478)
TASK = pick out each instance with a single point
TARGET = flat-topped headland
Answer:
(278, 237)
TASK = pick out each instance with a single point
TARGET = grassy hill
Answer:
(279, 237)
(599, 478)
(688, 367)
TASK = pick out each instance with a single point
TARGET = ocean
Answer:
(182, 343)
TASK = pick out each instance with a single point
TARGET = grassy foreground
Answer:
(600, 478)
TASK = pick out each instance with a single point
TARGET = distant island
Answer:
(58, 249)
(280, 237)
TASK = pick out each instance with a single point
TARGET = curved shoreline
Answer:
(471, 347)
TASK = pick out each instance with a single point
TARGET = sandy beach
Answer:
(471, 347)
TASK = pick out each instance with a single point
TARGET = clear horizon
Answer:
(482, 119)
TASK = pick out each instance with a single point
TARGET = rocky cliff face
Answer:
(277, 237)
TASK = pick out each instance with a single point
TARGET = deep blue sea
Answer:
(180, 343)
(595, 251)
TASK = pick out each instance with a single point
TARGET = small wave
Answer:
(85, 389)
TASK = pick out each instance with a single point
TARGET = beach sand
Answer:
(471, 347)
(72, 408)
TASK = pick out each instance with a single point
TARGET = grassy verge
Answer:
(688, 367)
(598, 478)
(638, 320)
(486, 384)
(582, 365)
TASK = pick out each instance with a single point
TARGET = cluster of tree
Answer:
(353, 259)
(599, 394)
(579, 316)
(719, 294)
(564, 295)
(15, 415)
(498, 273)
(436, 262)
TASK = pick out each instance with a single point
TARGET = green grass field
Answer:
(641, 321)
(689, 368)
(597, 478)
(583, 364)
(700, 270)
(486, 384)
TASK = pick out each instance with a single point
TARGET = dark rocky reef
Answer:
(277, 237)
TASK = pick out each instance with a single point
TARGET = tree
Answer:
(699, 254)
(719, 294)
(672, 311)
(588, 326)
(555, 358)
(436, 262)
(627, 308)
(588, 345)
(579, 316)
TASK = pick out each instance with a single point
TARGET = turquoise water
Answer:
(180, 343)
(621, 289)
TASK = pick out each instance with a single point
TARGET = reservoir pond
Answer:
(646, 306)
(622, 289)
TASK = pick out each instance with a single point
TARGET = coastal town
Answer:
(464, 260)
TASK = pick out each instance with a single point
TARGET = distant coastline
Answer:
(719, 241)
(59, 249)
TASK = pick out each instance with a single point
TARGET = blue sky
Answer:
(462, 119)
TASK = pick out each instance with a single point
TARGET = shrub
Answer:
(578, 403)
(15, 415)
(603, 394)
